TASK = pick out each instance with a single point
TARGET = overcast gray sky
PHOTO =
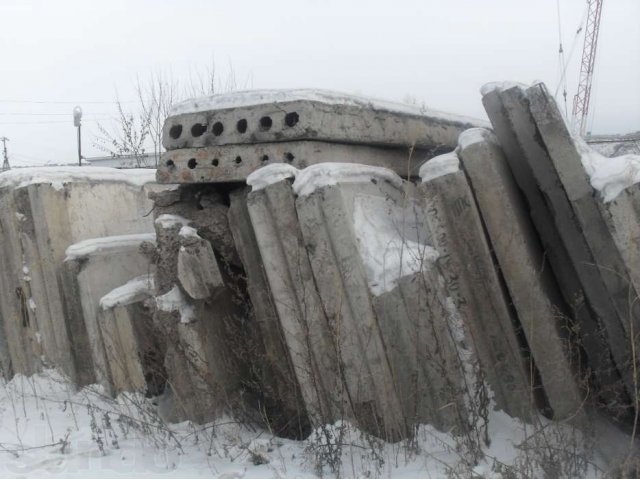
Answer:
(440, 52)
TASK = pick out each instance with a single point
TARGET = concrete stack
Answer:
(43, 211)
(591, 260)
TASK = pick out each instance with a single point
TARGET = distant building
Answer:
(148, 160)
(615, 145)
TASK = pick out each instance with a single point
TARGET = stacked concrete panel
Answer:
(583, 252)
(92, 268)
(295, 296)
(466, 264)
(131, 343)
(43, 212)
(531, 285)
(277, 375)
(224, 138)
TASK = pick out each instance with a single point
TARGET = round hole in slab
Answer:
(192, 163)
(265, 158)
(217, 129)
(175, 131)
(198, 129)
(289, 157)
(241, 126)
(215, 162)
(238, 160)
(291, 118)
(265, 123)
(170, 164)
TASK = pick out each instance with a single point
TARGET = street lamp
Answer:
(77, 121)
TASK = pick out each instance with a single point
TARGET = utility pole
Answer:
(77, 121)
(5, 165)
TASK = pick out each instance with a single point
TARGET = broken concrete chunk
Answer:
(198, 270)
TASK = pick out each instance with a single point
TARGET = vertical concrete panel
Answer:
(532, 287)
(295, 296)
(471, 279)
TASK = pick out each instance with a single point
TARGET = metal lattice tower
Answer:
(5, 165)
(581, 99)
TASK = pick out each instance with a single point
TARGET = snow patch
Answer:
(175, 301)
(57, 177)
(609, 175)
(249, 98)
(168, 220)
(325, 174)
(500, 86)
(188, 232)
(391, 241)
(270, 174)
(476, 135)
(439, 166)
(135, 290)
(107, 245)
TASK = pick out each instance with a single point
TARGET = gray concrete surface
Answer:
(233, 163)
(533, 290)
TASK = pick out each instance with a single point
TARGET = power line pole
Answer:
(5, 165)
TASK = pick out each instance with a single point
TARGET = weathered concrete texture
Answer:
(342, 283)
(279, 384)
(198, 271)
(93, 268)
(41, 218)
(307, 115)
(571, 212)
(466, 264)
(584, 314)
(532, 287)
(132, 346)
(201, 335)
(300, 311)
(233, 163)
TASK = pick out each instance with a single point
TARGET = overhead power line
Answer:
(38, 114)
(65, 102)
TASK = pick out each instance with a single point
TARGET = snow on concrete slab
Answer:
(59, 176)
(500, 86)
(175, 301)
(107, 245)
(168, 220)
(439, 166)
(325, 174)
(476, 135)
(609, 175)
(270, 174)
(249, 98)
(135, 290)
(391, 241)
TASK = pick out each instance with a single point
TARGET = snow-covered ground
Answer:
(48, 429)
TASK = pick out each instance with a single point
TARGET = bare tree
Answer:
(137, 133)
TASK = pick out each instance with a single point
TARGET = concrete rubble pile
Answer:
(319, 257)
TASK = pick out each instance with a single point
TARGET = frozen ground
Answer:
(47, 429)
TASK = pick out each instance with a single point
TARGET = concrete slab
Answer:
(567, 221)
(284, 115)
(295, 296)
(132, 346)
(93, 268)
(466, 264)
(233, 163)
(283, 398)
(536, 297)
(51, 209)
(590, 330)
(341, 280)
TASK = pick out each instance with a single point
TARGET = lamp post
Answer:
(77, 121)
